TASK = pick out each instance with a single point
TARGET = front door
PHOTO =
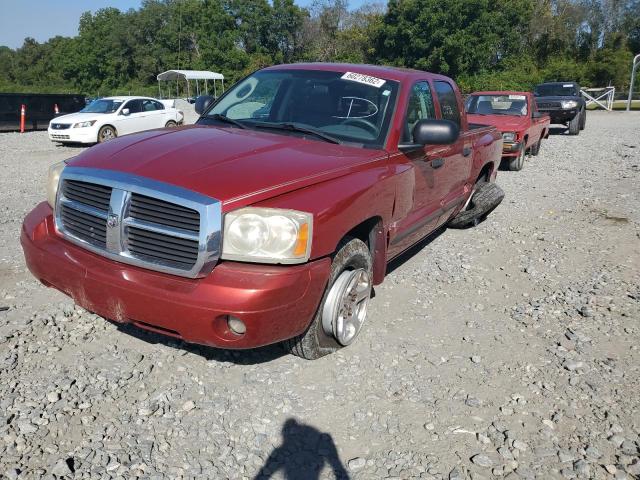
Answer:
(134, 121)
(426, 168)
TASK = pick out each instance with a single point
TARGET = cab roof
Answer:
(388, 73)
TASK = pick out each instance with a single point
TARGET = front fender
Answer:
(340, 204)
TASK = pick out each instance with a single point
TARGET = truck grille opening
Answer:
(84, 226)
(160, 247)
(97, 196)
(548, 105)
(163, 213)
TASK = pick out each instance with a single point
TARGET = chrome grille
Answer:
(160, 247)
(139, 221)
(91, 194)
(163, 213)
(60, 126)
(85, 226)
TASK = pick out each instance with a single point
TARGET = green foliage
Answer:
(484, 44)
(453, 37)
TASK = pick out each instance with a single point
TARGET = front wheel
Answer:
(574, 124)
(583, 120)
(515, 164)
(106, 133)
(343, 309)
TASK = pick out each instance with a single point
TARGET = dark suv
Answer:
(564, 104)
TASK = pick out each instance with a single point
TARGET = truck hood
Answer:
(504, 123)
(238, 167)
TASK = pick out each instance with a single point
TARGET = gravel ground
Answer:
(509, 350)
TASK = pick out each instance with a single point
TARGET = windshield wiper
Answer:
(225, 119)
(292, 127)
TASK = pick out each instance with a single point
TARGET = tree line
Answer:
(484, 44)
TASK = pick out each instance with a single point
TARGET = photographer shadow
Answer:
(303, 454)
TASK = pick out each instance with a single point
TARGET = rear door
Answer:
(155, 114)
(454, 173)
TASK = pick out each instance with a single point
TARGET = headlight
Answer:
(567, 104)
(53, 180)
(268, 235)
(509, 136)
(84, 124)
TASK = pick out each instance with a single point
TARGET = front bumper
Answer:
(73, 135)
(274, 302)
(511, 149)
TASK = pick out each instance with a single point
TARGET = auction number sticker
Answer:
(517, 97)
(567, 85)
(365, 79)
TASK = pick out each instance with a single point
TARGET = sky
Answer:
(43, 19)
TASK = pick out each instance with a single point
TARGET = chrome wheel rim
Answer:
(345, 309)
(107, 134)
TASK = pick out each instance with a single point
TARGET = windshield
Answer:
(556, 90)
(497, 105)
(102, 106)
(347, 107)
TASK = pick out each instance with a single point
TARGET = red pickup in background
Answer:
(272, 218)
(516, 116)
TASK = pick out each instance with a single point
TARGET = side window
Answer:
(148, 105)
(448, 102)
(158, 105)
(420, 107)
(134, 106)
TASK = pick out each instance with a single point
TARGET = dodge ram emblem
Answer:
(113, 220)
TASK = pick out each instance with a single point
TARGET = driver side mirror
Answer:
(203, 102)
(432, 132)
(125, 112)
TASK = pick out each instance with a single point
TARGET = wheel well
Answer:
(486, 172)
(371, 232)
(363, 231)
(108, 125)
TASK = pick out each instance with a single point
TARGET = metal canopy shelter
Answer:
(191, 75)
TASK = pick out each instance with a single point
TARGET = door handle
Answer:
(437, 162)
(466, 151)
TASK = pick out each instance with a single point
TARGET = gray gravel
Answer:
(510, 350)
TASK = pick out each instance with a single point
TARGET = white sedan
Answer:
(110, 117)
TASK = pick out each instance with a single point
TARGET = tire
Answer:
(535, 148)
(170, 124)
(583, 121)
(484, 199)
(516, 164)
(574, 124)
(106, 133)
(352, 257)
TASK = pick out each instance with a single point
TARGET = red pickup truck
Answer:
(517, 117)
(270, 219)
